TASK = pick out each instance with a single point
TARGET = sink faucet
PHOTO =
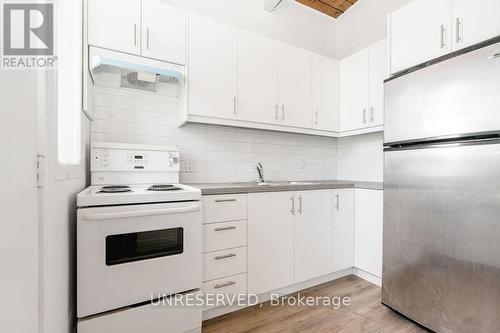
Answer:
(260, 170)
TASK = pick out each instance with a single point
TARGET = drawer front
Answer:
(226, 235)
(231, 285)
(222, 208)
(220, 264)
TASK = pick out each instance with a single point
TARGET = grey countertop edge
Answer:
(242, 188)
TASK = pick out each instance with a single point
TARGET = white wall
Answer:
(361, 158)
(291, 23)
(364, 24)
(217, 154)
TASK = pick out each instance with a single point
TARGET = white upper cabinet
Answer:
(378, 73)
(343, 230)
(325, 93)
(163, 31)
(420, 31)
(355, 91)
(212, 68)
(294, 86)
(257, 78)
(313, 230)
(115, 25)
(473, 22)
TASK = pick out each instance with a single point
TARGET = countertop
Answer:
(279, 186)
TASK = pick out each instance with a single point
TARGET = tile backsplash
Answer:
(211, 153)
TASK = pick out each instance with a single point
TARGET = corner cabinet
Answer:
(343, 230)
(325, 93)
(212, 67)
(450, 26)
(362, 78)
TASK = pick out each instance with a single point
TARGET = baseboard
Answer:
(220, 311)
(367, 276)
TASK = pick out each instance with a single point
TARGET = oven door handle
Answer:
(141, 213)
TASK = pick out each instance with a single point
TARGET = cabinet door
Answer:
(474, 22)
(257, 78)
(378, 73)
(270, 241)
(325, 93)
(420, 31)
(115, 25)
(163, 32)
(343, 230)
(212, 68)
(368, 231)
(313, 230)
(354, 91)
(295, 86)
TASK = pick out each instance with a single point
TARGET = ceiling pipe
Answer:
(270, 5)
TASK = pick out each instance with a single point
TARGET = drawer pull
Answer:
(224, 285)
(225, 228)
(227, 256)
(225, 200)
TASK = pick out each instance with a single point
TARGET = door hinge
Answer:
(40, 170)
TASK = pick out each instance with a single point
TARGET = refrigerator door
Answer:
(453, 98)
(442, 236)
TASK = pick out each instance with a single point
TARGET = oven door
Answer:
(127, 254)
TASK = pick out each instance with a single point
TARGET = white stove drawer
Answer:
(231, 285)
(226, 235)
(221, 208)
(224, 263)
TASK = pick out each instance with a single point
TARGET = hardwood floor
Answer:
(365, 314)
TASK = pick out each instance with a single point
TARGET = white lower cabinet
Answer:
(369, 231)
(313, 230)
(343, 229)
(270, 241)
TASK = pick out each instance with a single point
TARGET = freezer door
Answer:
(455, 97)
(442, 236)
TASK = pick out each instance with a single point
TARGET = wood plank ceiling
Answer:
(333, 8)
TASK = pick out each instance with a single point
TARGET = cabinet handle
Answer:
(283, 112)
(317, 117)
(458, 27)
(372, 114)
(300, 205)
(135, 34)
(276, 107)
(337, 201)
(225, 200)
(234, 104)
(224, 285)
(293, 205)
(443, 31)
(147, 38)
(227, 256)
(225, 228)
(364, 116)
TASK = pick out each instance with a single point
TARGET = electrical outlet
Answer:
(188, 166)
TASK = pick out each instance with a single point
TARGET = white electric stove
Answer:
(139, 235)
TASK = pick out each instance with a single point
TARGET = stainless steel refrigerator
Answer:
(442, 193)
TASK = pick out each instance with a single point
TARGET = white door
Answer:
(257, 78)
(325, 93)
(294, 86)
(474, 23)
(270, 241)
(419, 31)
(163, 32)
(313, 230)
(355, 91)
(115, 25)
(212, 68)
(368, 231)
(343, 230)
(378, 73)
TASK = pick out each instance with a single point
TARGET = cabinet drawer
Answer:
(236, 284)
(220, 264)
(220, 208)
(226, 235)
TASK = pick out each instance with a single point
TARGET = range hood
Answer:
(119, 70)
